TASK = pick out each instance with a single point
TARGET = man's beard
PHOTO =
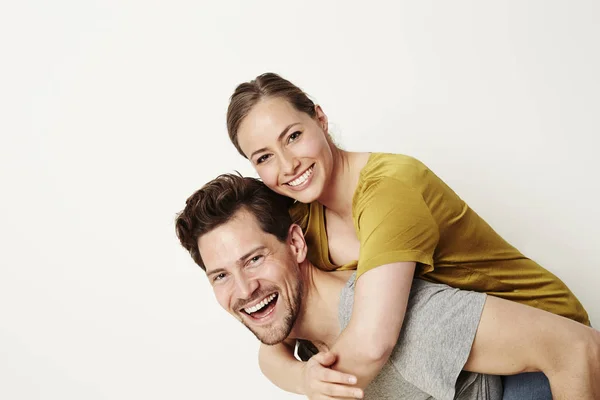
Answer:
(278, 331)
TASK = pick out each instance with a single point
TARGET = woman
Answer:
(389, 217)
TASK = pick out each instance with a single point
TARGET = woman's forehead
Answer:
(270, 116)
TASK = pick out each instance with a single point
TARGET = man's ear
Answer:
(297, 242)
(321, 118)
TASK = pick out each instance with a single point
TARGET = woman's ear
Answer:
(297, 243)
(321, 118)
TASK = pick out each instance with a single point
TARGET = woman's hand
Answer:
(321, 382)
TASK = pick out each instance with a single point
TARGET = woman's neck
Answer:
(341, 185)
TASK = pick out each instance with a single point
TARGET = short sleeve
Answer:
(393, 224)
(299, 213)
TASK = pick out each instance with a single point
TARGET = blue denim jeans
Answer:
(526, 386)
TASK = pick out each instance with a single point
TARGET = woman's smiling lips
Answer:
(301, 180)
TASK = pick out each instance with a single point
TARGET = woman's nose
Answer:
(289, 164)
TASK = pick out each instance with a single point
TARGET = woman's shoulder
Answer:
(389, 178)
(397, 168)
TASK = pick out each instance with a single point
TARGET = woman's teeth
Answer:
(302, 178)
(260, 305)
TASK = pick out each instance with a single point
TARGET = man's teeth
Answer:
(260, 305)
(302, 178)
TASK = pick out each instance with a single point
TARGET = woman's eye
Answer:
(294, 136)
(262, 159)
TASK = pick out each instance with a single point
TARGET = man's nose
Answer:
(245, 287)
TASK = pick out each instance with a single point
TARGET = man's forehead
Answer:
(226, 244)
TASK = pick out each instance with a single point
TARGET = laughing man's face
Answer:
(254, 276)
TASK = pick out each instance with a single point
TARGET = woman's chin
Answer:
(307, 195)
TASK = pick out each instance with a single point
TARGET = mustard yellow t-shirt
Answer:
(403, 212)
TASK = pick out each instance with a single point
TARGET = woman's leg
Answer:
(526, 386)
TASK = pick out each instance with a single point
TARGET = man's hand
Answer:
(320, 382)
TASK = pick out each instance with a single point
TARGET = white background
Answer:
(113, 112)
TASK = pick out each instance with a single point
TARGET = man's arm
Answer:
(380, 300)
(279, 365)
(513, 338)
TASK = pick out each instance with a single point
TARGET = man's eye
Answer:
(219, 277)
(262, 159)
(255, 259)
(294, 136)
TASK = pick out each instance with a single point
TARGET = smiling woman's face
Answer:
(289, 149)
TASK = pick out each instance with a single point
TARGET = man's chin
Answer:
(270, 341)
(270, 336)
(275, 326)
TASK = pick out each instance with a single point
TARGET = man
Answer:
(255, 258)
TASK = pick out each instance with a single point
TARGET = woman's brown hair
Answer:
(248, 94)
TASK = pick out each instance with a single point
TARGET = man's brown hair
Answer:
(218, 201)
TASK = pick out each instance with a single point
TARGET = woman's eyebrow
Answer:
(281, 135)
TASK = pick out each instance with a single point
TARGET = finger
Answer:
(332, 376)
(326, 358)
(337, 391)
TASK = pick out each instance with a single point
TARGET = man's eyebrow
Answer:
(239, 261)
(281, 135)
(215, 271)
(248, 254)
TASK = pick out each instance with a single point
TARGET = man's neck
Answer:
(318, 319)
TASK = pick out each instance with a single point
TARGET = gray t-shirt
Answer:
(434, 344)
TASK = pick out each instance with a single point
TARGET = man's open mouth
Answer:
(264, 308)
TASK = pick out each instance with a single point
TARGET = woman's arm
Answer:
(393, 226)
(396, 230)
(362, 349)
(513, 338)
(380, 300)
(313, 379)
